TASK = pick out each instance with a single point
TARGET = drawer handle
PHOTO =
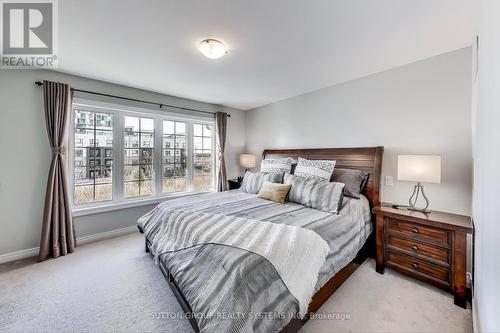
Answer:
(414, 247)
(414, 265)
(414, 230)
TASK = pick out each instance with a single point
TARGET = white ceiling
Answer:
(278, 48)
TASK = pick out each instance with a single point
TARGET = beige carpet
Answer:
(390, 303)
(113, 286)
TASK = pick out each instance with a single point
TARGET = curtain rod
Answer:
(40, 83)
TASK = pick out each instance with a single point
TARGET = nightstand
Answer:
(234, 184)
(430, 247)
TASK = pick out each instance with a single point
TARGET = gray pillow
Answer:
(315, 194)
(252, 181)
(354, 180)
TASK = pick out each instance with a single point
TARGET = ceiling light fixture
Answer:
(213, 49)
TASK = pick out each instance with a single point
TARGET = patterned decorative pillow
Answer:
(315, 194)
(276, 165)
(252, 181)
(354, 180)
(316, 169)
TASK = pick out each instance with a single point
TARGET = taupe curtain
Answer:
(220, 130)
(58, 236)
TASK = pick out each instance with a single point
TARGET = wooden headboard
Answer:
(368, 159)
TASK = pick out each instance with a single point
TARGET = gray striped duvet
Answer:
(233, 290)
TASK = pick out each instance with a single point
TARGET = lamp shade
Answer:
(247, 160)
(420, 168)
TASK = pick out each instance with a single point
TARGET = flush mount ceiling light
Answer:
(212, 48)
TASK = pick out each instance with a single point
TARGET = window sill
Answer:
(111, 206)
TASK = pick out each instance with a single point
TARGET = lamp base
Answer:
(421, 210)
(414, 197)
(425, 211)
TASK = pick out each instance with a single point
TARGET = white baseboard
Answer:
(476, 327)
(13, 256)
(106, 234)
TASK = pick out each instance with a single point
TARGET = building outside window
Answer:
(138, 171)
(203, 156)
(92, 179)
(123, 155)
(174, 160)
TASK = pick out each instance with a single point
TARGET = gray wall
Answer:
(25, 155)
(486, 292)
(420, 108)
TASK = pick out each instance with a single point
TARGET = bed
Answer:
(227, 289)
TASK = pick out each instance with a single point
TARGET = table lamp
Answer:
(420, 169)
(247, 161)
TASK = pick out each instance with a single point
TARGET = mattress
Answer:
(233, 290)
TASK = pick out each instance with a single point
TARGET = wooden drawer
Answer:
(430, 247)
(426, 271)
(416, 247)
(414, 230)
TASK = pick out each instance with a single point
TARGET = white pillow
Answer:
(317, 169)
(276, 165)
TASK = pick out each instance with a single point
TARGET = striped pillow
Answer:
(316, 169)
(276, 165)
(315, 194)
(252, 181)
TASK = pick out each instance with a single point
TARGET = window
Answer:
(138, 167)
(92, 179)
(174, 162)
(203, 157)
(123, 154)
